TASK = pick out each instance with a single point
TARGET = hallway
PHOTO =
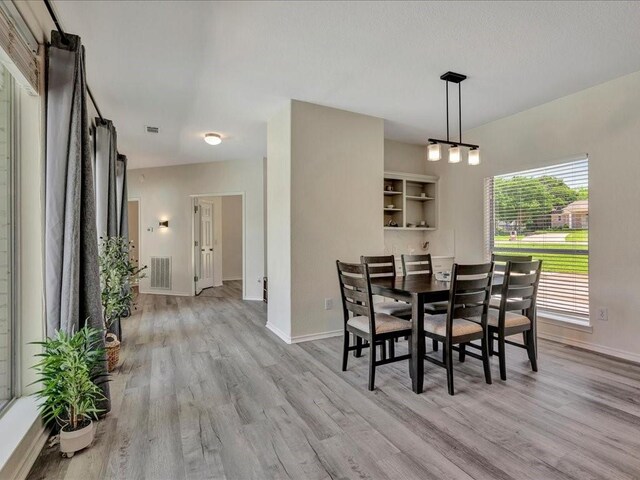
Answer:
(205, 391)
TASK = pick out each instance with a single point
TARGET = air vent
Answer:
(152, 129)
(161, 273)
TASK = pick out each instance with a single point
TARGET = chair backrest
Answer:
(520, 287)
(417, 264)
(470, 292)
(501, 260)
(355, 290)
(380, 266)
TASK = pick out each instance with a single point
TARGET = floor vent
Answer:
(161, 273)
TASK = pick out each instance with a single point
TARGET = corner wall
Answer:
(332, 195)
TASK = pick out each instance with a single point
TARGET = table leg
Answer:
(417, 342)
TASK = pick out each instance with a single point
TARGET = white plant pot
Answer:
(71, 442)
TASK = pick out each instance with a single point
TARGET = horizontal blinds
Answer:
(16, 55)
(544, 213)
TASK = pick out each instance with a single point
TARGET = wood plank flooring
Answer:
(205, 391)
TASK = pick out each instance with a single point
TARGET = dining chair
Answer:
(465, 320)
(500, 262)
(421, 265)
(361, 320)
(385, 266)
(517, 311)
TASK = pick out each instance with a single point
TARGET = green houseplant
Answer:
(69, 372)
(117, 273)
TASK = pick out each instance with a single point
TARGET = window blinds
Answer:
(544, 213)
(16, 55)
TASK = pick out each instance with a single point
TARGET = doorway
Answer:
(133, 206)
(218, 245)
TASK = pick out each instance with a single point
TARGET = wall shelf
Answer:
(419, 201)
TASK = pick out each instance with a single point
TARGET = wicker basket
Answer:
(112, 346)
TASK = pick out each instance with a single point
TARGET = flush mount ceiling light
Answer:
(212, 138)
(455, 152)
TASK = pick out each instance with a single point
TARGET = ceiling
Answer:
(194, 67)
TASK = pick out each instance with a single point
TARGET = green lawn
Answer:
(560, 263)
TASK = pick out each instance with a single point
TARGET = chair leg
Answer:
(345, 351)
(358, 351)
(372, 366)
(502, 355)
(462, 350)
(448, 363)
(491, 349)
(392, 348)
(485, 360)
(383, 350)
(434, 343)
(531, 350)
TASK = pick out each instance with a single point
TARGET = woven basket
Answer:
(112, 346)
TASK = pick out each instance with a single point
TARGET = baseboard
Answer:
(611, 352)
(168, 293)
(283, 336)
(253, 299)
(316, 336)
(231, 279)
(303, 338)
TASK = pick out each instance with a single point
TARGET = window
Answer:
(544, 212)
(6, 236)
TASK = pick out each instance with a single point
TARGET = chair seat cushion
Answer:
(384, 323)
(436, 307)
(437, 324)
(511, 319)
(398, 309)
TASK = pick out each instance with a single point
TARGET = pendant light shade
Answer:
(474, 156)
(454, 154)
(434, 148)
(433, 152)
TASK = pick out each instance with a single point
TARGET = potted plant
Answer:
(69, 372)
(117, 274)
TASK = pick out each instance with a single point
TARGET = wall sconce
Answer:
(163, 224)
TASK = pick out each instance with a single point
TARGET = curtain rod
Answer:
(62, 32)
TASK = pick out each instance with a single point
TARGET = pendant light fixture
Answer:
(455, 150)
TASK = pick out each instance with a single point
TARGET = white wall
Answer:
(335, 179)
(603, 121)
(164, 192)
(279, 222)
(232, 237)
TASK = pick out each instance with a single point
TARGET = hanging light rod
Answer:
(53, 16)
(433, 149)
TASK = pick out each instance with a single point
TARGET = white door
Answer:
(205, 279)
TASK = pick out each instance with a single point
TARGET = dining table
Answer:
(417, 290)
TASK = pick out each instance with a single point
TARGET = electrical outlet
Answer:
(328, 303)
(603, 314)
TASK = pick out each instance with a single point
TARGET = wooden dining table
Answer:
(417, 290)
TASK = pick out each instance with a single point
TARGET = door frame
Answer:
(139, 246)
(192, 202)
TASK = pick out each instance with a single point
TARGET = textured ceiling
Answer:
(227, 67)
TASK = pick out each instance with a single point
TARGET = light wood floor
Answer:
(205, 391)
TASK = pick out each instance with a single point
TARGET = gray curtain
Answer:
(122, 196)
(71, 248)
(105, 169)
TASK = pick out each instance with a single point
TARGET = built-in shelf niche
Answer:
(409, 200)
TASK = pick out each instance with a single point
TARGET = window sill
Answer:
(15, 424)
(564, 321)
